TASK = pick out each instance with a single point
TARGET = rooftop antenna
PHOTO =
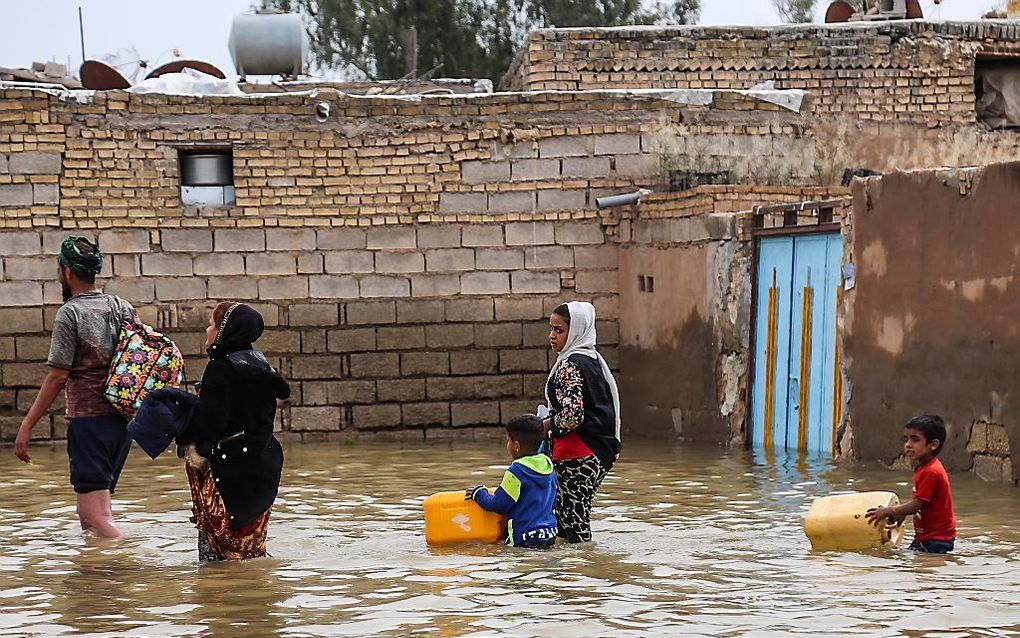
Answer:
(81, 33)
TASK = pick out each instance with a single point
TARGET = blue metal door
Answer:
(795, 393)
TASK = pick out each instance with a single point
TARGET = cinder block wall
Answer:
(405, 255)
(397, 328)
(909, 71)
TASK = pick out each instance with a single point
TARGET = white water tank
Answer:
(268, 44)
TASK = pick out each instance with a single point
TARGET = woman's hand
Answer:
(546, 426)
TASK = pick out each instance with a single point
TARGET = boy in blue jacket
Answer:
(528, 490)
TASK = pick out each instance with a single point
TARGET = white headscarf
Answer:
(581, 340)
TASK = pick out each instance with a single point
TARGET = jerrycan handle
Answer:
(888, 532)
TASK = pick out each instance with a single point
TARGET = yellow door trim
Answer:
(805, 369)
(837, 381)
(770, 362)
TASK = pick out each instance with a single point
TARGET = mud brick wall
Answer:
(989, 443)
(885, 71)
(930, 325)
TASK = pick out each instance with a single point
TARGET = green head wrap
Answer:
(81, 256)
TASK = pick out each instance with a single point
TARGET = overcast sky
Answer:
(48, 29)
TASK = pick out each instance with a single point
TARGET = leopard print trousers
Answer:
(577, 480)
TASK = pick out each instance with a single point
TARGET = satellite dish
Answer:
(100, 76)
(128, 61)
(838, 11)
(179, 65)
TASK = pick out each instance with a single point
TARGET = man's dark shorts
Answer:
(932, 546)
(97, 448)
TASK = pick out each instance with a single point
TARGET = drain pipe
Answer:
(322, 112)
(627, 199)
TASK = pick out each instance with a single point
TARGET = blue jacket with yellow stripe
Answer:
(526, 497)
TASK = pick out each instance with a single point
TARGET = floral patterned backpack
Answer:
(144, 360)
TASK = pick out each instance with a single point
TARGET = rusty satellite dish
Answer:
(842, 11)
(838, 11)
(100, 76)
(179, 65)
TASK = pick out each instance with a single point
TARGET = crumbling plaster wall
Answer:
(670, 376)
(841, 142)
(930, 325)
(685, 346)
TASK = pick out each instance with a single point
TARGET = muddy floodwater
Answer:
(689, 542)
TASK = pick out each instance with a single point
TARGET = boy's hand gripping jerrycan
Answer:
(839, 523)
(450, 519)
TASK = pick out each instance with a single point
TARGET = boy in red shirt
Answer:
(932, 505)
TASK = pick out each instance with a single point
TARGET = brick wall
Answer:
(989, 443)
(384, 328)
(885, 71)
(404, 330)
(405, 254)
(113, 160)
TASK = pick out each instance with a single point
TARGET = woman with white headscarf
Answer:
(584, 420)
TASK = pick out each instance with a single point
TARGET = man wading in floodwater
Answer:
(85, 334)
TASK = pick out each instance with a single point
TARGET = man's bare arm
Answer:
(51, 388)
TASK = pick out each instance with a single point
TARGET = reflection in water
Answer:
(782, 476)
(693, 542)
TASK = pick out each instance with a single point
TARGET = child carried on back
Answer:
(528, 490)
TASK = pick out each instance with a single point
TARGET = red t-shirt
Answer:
(570, 446)
(935, 520)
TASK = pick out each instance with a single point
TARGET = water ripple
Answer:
(689, 541)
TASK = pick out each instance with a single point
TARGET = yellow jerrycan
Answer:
(449, 519)
(838, 522)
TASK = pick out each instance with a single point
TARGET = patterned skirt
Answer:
(216, 539)
(577, 480)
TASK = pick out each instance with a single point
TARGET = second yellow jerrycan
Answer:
(838, 522)
(450, 519)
